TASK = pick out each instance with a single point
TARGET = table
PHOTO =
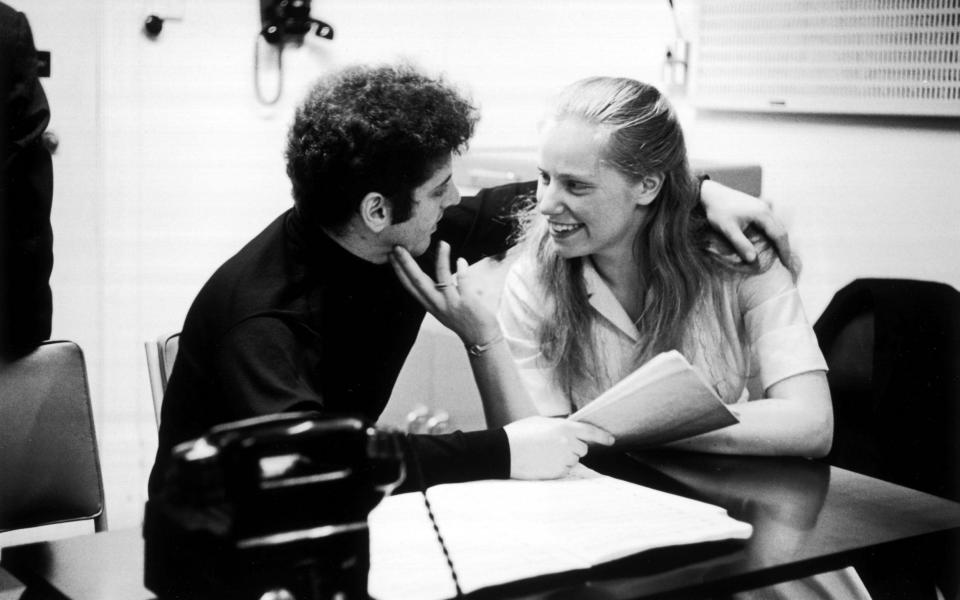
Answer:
(808, 518)
(105, 566)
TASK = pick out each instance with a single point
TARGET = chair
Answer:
(161, 354)
(893, 349)
(49, 463)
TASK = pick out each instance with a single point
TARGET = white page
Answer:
(662, 401)
(407, 561)
(499, 531)
(658, 367)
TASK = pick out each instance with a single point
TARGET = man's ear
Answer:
(647, 188)
(376, 212)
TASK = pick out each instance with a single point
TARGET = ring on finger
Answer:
(445, 284)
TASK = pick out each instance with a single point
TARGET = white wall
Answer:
(865, 197)
(183, 166)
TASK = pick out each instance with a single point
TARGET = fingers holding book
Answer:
(547, 448)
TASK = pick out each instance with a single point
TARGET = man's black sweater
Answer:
(295, 322)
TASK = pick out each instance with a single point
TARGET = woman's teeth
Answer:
(564, 228)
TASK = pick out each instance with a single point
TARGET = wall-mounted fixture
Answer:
(676, 60)
(861, 57)
(283, 22)
(153, 25)
(287, 21)
(161, 12)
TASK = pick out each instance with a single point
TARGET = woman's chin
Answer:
(567, 250)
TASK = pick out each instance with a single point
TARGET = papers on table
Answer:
(662, 401)
(499, 531)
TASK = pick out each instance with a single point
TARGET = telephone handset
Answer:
(285, 21)
(268, 503)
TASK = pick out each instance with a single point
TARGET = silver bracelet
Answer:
(478, 349)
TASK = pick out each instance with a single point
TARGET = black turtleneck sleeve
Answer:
(484, 225)
(455, 457)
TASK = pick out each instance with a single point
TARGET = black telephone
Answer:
(286, 21)
(270, 505)
(283, 22)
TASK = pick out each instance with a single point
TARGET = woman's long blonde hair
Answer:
(681, 262)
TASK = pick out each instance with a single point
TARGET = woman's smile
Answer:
(564, 230)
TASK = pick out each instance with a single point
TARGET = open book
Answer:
(498, 531)
(662, 401)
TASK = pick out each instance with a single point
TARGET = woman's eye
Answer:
(544, 178)
(577, 187)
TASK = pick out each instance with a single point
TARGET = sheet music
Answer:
(499, 531)
(664, 400)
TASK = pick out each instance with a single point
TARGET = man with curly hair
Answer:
(309, 315)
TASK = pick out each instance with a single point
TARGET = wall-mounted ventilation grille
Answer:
(829, 56)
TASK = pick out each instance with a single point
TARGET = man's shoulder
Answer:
(11, 21)
(249, 281)
(16, 40)
(252, 257)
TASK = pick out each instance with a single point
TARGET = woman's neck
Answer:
(622, 275)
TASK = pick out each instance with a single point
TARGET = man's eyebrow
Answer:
(443, 183)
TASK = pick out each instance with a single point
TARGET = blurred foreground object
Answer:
(270, 507)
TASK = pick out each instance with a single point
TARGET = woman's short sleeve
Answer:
(523, 307)
(782, 342)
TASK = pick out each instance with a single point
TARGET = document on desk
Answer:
(664, 400)
(498, 531)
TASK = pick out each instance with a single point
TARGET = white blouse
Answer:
(762, 312)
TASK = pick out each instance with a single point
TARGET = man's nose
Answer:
(453, 198)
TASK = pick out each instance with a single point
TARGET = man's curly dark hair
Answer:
(372, 129)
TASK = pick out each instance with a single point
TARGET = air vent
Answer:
(898, 57)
